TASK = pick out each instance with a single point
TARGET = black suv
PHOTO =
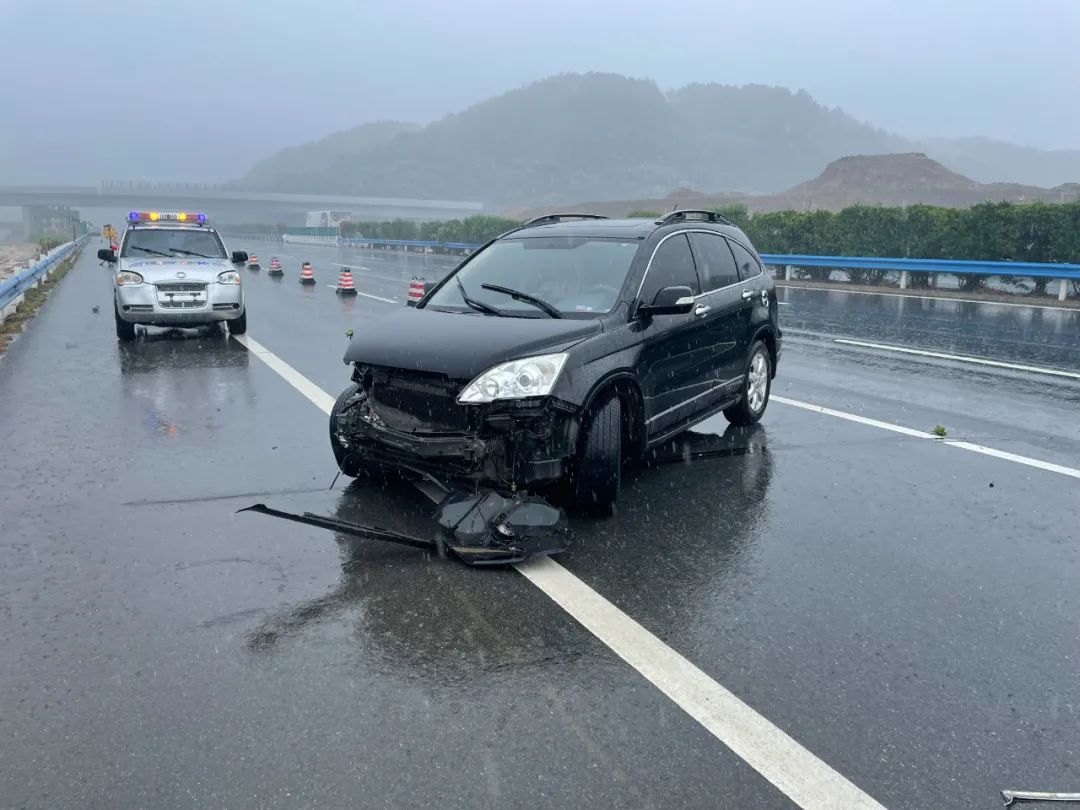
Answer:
(560, 351)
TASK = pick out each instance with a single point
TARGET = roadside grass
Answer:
(32, 301)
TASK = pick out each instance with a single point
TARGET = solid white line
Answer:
(922, 434)
(959, 358)
(926, 297)
(790, 767)
(801, 776)
(320, 398)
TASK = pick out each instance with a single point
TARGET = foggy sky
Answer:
(200, 90)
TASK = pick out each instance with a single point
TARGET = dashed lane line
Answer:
(960, 358)
(922, 434)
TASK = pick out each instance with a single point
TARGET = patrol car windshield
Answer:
(173, 243)
(579, 276)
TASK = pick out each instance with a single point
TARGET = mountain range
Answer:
(604, 137)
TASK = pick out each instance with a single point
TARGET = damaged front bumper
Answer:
(509, 444)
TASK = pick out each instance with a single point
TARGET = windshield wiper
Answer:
(539, 303)
(479, 306)
(192, 253)
(150, 250)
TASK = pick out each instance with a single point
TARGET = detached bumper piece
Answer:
(483, 528)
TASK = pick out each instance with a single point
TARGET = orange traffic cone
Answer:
(345, 282)
(253, 262)
(275, 267)
(416, 291)
(307, 275)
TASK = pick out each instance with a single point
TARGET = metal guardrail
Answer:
(1065, 272)
(16, 285)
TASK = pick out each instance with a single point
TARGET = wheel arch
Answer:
(767, 335)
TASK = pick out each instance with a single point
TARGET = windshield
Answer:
(173, 242)
(577, 275)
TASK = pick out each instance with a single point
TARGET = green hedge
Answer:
(1035, 232)
(476, 229)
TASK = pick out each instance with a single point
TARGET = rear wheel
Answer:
(757, 383)
(599, 462)
(124, 331)
(237, 326)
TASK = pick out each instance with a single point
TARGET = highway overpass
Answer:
(230, 205)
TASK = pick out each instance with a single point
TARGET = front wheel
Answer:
(599, 462)
(348, 461)
(757, 384)
(237, 326)
(124, 331)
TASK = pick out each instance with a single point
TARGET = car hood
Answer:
(191, 269)
(459, 345)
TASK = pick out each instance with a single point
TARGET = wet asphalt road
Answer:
(906, 610)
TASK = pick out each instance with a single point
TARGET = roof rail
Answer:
(546, 218)
(699, 213)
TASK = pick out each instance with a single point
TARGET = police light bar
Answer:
(164, 216)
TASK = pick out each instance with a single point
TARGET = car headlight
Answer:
(228, 277)
(127, 277)
(528, 377)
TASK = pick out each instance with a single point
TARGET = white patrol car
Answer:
(173, 270)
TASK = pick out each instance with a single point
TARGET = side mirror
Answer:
(107, 255)
(239, 257)
(669, 301)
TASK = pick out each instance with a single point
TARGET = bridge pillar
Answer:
(1063, 289)
(903, 279)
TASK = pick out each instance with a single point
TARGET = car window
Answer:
(748, 265)
(144, 243)
(716, 265)
(672, 266)
(579, 275)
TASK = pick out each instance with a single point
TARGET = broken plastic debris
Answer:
(1011, 796)
(482, 528)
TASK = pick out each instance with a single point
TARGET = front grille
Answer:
(182, 286)
(417, 401)
(139, 308)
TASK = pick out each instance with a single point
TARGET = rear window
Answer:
(578, 275)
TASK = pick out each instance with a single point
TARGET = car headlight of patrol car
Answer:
(127, 277)
(518, 379)
(228, 277)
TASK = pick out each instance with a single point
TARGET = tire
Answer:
(124, 331)
(237, 326)
(756, 387)
(599, 462)
(347, 462)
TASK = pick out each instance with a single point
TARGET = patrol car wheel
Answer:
(124, 331)
(237, 326)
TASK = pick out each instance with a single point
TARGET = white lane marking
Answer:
(802, 777)
(369, 295)
(922, 434)
(926, 297)
(962, 358)
(790, 767)
(320, 398)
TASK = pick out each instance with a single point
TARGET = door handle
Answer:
(747, 295)
(702, 310)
